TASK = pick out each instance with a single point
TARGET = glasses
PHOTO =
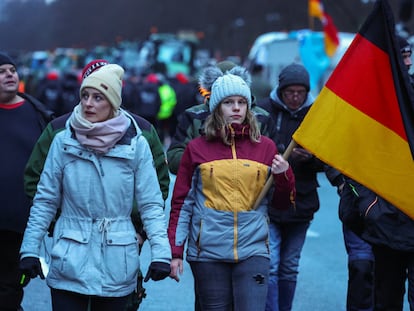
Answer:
(291, 93)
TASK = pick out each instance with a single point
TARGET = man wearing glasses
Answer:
(288, 104)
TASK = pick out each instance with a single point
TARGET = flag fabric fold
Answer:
(331, 35)
(316, 10)
(362, 122)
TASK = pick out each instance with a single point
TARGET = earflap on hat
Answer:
(6, 59)
(108, 81)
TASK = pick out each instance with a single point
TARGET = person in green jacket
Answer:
(37, 159)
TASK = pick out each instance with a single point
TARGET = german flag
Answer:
(362, 121)
(331, 35)
(316, 9)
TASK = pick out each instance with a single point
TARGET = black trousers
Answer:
(69, 301)
(392, 269)
(11, 293)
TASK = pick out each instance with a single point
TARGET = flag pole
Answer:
(269, 181)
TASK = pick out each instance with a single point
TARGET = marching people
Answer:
(36, 161)
(96, 167)
(190, 125)
(220, 175)
(22, 120)
(384, 230)
(288, 104)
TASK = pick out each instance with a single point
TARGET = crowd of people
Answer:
(91, 170)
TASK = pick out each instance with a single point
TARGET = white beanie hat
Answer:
(229, 85)
(108, 81)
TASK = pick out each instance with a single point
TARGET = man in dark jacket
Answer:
(22, 119)
(391, 234)
(288, 104)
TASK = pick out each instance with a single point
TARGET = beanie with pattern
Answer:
(108, 81)
(92, 66)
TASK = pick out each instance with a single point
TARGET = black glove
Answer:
(30, 268)
(158, 271)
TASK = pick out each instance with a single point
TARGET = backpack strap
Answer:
(45, 114)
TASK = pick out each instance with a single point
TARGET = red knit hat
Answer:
(92, 66)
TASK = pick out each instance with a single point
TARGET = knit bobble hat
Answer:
(229, 85)
(293, 74)
(108, 81)
(6, 59)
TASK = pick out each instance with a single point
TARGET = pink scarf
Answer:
(99, 136)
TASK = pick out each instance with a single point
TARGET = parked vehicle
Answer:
(275, 50)
(176, 52)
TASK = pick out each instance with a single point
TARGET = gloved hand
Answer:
(158, 271)
(300, 155)
(30, 268)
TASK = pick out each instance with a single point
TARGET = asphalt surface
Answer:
(321, 282)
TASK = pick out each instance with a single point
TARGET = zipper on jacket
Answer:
(371, 205)
(198, 239)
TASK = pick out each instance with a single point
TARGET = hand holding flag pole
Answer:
(269, 181)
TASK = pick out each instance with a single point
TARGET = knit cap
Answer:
(403, 44)
(293, 74)
(229, 85)
(92, 66)
(108, 81)
(6, 59)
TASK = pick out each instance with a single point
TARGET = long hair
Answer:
(215, 126)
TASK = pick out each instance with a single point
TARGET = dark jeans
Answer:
(392, 269)
(69, 301)
(360, 291)
(11, 293)
(286, 243)
(221, 284)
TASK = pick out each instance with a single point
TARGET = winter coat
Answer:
(214, 192)
(95, 249)
(286, 122)
(374, 219)
(35, 164)
(190, 125)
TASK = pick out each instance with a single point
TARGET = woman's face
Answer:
(234, 109)
(95, 106)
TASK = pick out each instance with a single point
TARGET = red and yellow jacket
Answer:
(214, 193)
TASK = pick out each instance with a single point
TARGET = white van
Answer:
(275, 50)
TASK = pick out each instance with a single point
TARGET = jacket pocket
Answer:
(69, 254)
(121, 257)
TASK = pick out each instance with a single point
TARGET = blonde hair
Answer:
(215, 126)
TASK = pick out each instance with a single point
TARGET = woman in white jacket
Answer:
(94, 171)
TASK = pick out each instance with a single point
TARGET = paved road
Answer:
(322, 277)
